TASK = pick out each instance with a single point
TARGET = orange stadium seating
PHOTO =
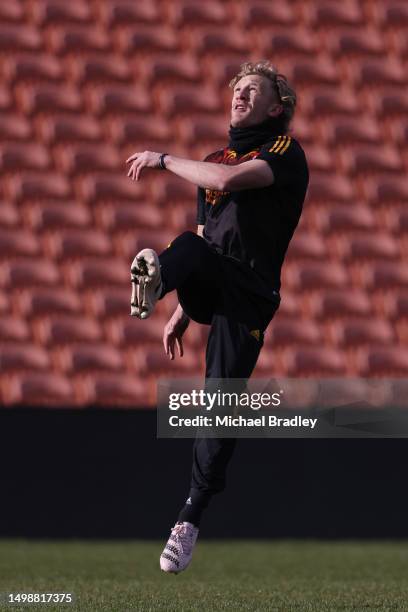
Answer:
(85, 84)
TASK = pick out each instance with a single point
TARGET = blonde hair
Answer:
(284, 92)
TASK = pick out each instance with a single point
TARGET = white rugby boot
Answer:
(146, 283)
(178, 551)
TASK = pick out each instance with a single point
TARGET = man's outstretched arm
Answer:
(208, 175)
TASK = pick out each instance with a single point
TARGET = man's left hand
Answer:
(138, 161)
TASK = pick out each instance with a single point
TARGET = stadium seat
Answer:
(393, 13)
(327, 14)
(48, 98)
(101, 69)
(133, 130)
(39, 186)
(14, 357)
(67, 329)
(316, 275)
(150, 38)
(171, 189)
(190, 13)
(73, 244)
(118, 390)
(269, 363)
(29, 272)
(386, 275)
(24, 156)
(307, 245)
(303, 130)
(220, 73)
(384, 361)
(118, 99)
(185, 99)
(297, 332)
(129, 245)
(81, 158)
(34, 68)
(130, 332)
(128, 217)
(399, 131)
(357, 43)
(345, 218)
(391, 101)
(14, 243)
(375, 245)
(4, 302)
(5, 99)
(174, 68)
(30, 389)
(156, 362)
(378, 245)
(289, 307)
(90, 357)
(334, 303)
(80, 39)
(204, 129)
(285, 43)
(357, 332)
(220, 40)
(19, 38)
(57, 216)
(13, 329)
(183, 218)
(383, 189)
(9, 215)
(266, 14)
(110, 189)
(398, 222)
(334, 188)
(99, 272)
(315, 361)
(400, 45)
(324, 101)
(397, 305)
(319, 158)
(66, 128)
(125, 12)
(317, 71)
(40, 301)
(11, 11)
(385, 71)
(47, 12)
(15, 127)
(341, 131)
(370, 159)
(111, 302)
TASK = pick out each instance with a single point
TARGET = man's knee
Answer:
(189, 240)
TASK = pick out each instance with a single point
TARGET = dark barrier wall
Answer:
(104, 474)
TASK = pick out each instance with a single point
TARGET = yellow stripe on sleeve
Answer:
(286, 146)
(281, 145)
(272, 149)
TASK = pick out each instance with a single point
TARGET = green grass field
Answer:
(228, 575)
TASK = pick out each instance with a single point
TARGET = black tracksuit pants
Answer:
(206, 290)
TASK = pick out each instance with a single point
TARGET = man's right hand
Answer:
(173, 332)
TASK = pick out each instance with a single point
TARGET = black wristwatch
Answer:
(162, 165)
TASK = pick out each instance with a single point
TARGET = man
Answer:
(250, 197)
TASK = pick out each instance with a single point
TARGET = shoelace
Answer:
(182, 537)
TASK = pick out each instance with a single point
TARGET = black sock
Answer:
(195, 505)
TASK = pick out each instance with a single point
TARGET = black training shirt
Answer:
(254, 226)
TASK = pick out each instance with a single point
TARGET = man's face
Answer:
(253, 101)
